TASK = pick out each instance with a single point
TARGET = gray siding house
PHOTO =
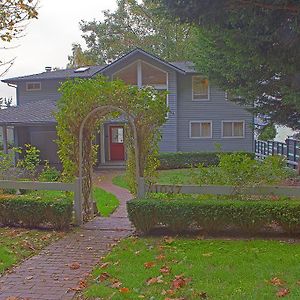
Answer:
(200, 116)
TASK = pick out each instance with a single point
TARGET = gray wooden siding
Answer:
(169, 129)
(216, 109)
(48, 91)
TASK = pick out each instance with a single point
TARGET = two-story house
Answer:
(200, 116)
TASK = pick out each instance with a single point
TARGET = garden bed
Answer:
(181, 268)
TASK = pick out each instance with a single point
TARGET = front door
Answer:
(117, 150)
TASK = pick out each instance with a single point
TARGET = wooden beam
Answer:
(4, 137)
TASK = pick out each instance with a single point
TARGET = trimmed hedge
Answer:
(213, 215)
(31, 212)
(181, 160)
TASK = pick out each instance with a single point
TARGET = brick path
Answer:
(58, 269)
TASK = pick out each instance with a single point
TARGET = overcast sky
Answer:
(49, 39)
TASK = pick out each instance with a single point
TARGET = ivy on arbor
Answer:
(80, 97)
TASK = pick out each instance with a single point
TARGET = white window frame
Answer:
(199, 122)
(33, 82)
(208, 90)
(233, 121)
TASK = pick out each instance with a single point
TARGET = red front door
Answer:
(116, 137)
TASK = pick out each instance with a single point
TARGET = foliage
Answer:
(80, 58)
(6, 162)
(133, 25)
(16, 244)
(31, 159)
(217, 269)
(268, 133)
(241, 171)
(33, 210)
(250, 49)
(49, 174)
(181, 160)
(146, 108)
(213, 215)
(106, 202)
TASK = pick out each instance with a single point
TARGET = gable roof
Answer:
(58, 74)
(182, 67)
(35, 113)
(143, 52)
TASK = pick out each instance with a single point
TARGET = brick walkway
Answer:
(56, 272)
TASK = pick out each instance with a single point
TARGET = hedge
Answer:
(213, 215)
(180, 160)
(28, 211)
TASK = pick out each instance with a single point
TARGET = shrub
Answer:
(49, 174)
(31, 160)
(181, 160)
(211, 215)
(33, 212)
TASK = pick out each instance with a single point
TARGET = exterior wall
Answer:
(48, 91)
(216, 109)
(169, 129)
(43, 137)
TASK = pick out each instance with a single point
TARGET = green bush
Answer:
(33, 212)
(49, 174)
(212, 215)
(181, 160)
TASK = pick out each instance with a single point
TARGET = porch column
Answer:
(102, 145)
(4, 137)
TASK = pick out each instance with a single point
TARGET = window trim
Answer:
(233, 121)
(199, 122)
(208, 90)
(33, 82)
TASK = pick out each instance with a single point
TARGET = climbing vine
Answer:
(79, 98)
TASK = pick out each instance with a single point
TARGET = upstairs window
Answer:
(200, 88)
(200, 129)
(33, 86)
(233, 129)
(128, 74)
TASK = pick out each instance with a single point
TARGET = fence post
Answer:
(78, 203)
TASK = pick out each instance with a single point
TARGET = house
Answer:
(200, 116)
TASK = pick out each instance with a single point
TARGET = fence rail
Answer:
(290, 150)
(50, 186)
(223, 190)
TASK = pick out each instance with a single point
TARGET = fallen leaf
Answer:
(282, 293)
(203, 295)
(207, 254)
(104, 265)
(103, 276)
(165, 270)
(116, 283)
(154, 280)
(29, 277)
(276, 281)
(124, 290)
(160, 257)
(169, 240)
(149, 264)
(179, 282)
(75, 266)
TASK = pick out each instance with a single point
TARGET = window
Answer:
(117, 135)
(200, 129)
(200, 88)
(128, 74)
(33, 86)
(233, 129)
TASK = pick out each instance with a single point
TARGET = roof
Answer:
(58, 74)
(35, 113)
(181, 66)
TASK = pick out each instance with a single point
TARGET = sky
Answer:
(48, 40)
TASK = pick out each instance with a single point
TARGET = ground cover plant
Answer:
(182, 268)
(17, 244)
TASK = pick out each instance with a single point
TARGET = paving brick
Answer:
(48, 276)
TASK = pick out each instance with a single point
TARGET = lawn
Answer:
(167, 268)
(106, 202)
(17, 244)
(176, 176)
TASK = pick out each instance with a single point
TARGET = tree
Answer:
(250, 49)
(134, 25)
(79, 58)
(267, 133)
(13, 16)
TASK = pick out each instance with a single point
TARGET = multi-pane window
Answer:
(200, 129)
(200, 88)
(33, 86)
(233, 129)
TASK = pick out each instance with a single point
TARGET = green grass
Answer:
(106, 202)
(226, 269)
(17, 244)
(176, 176)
